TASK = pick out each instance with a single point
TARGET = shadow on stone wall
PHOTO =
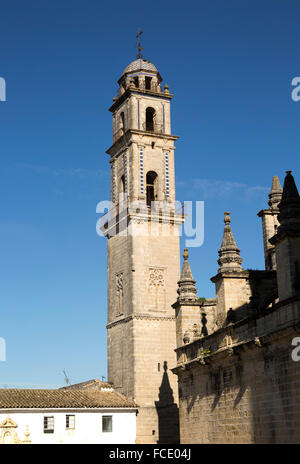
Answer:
(167, 411)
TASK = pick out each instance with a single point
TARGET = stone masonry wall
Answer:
(246, 390)
(252, 398)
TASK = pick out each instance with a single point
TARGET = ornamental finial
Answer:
(227, 218)
(139, 46)
(185, 254)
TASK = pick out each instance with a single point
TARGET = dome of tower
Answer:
(140, 65)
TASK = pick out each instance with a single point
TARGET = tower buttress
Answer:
(287, 241)
(270, 223)
(143, 251)
(231, 281)
(187, 306)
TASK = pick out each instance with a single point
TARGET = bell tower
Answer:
(142, 229)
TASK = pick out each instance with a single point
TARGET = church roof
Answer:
(140, 65)
(62, 398)
(93, 384)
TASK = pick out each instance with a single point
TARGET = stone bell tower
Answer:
(143, 252)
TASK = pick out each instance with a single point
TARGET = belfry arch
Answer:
(151, 187)
(150, 119)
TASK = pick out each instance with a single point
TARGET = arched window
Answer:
(148, 80)
(122, 188)
(122, 123)
(150, 119)
(151, 180)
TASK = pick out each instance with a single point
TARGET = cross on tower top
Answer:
(139, 46)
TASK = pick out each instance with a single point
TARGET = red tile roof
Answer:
(62, 398)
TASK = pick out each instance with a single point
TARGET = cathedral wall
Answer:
(247, 391)
(287, 255)
(231, 292)
(188, 318)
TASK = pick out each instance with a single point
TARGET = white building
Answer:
(67, 415)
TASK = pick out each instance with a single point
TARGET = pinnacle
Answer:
(276, 186)
(290, 191)
(186, 284)
(289, 210)
(275, 193)
(186, 273)
(229, 253)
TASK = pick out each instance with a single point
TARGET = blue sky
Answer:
(230, 65)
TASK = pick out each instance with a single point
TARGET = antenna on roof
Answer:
(140, 48)
(67, 380)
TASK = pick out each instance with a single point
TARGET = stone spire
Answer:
(289, 207)
(275, 193)
(229, 253)
(187, 290)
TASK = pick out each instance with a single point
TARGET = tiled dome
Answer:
(140, 65)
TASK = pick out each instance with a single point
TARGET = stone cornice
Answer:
(180, 303)
(119, 222)
(230, 275)
(136, 91)
(285, 233)
(140, 317)
(270, 212)
(124, 141)
(236, 349)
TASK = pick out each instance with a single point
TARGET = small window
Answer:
(106, 423)
(136, 82)
(70, 421)
(49, 424)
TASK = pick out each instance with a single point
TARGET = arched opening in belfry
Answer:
(150, 119)
(151, 181)
(148, 82)
(122, 123)
(122, 188)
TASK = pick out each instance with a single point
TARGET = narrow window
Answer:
(106, 423)
(150, 187)
(153, 145)
(148, 83)
(70, 421)
(150, 117)
(49, 424)
(122, 186)
(136, 81)
(122, 123)
(158, 367)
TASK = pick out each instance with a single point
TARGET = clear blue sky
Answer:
(230, 65)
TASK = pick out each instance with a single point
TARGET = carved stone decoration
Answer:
(156, 289)
(156, 277)
(9, 434)
(120, 293)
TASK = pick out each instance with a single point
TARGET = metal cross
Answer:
(140, 48)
